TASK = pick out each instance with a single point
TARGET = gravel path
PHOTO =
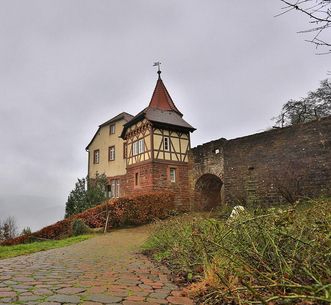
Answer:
(106, 269)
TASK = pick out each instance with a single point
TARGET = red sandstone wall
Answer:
(155, 177)
(162, 182)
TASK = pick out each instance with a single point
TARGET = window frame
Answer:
(166, 143)
(141, 146)
(125, 150)
(111, 153)
(96, 156)
(138, 147)
(112, 129)
(173, 178)
(114, 188)
(136, 179)
(135, 148)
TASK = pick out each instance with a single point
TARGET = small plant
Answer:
(79, 227)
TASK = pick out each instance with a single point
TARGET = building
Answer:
(151, 152)
(144, 153)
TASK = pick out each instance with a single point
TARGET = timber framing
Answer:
(146, 148)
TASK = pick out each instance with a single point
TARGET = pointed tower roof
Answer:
(161, 98)
(161, 111)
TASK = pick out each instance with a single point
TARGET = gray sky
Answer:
(68, 66)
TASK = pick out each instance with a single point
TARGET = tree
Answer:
(319, 14)
(8, 228)
(316, 105)
(86, 194)
(26, 231)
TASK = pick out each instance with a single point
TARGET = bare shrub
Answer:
(289, 184)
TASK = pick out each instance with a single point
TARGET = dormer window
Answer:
(112, 129)
(166, 143)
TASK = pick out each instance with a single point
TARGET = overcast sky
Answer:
(68, 66)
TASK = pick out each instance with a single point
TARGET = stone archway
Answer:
(208, 192)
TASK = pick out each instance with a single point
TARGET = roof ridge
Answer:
(123, 115)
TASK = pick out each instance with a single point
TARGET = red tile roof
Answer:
(160, 111)
(161, 98)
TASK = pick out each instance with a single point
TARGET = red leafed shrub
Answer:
(131, 210)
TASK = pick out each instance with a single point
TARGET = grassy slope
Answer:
(23, 249)
(267, 256)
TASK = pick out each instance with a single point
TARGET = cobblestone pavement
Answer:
(106, 269)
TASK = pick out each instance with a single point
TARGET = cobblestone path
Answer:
(103, 270)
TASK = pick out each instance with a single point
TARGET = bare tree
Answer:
(319, 15)
(317, 104)
(8, 228)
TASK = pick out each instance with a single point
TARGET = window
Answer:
(117, 188)
(109, 193)
(141, 146)
(135, 148)
(136, 179)
(112, 129)
(125, 151)
(111, 153)
(172, 174)
(96, 156)
(114, 189)
(166, 143)
(138, 147)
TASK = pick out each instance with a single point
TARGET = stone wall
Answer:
(155, 176)
(206, 160)
(257, 168)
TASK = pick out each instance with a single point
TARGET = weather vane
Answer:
(157, 64)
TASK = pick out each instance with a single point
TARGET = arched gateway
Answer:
(208, 192)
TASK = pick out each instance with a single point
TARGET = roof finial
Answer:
(158, 68)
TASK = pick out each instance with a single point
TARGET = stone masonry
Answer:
(254, 168)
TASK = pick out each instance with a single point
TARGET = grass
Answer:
(265, 256)
(23, 249)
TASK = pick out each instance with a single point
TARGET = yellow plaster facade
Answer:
(102, 141)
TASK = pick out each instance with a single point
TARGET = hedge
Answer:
(130, 210)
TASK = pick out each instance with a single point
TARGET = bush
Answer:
(133, 210)
(79, 227)
(274, 256)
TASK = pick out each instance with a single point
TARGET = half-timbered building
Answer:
(155, 145)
